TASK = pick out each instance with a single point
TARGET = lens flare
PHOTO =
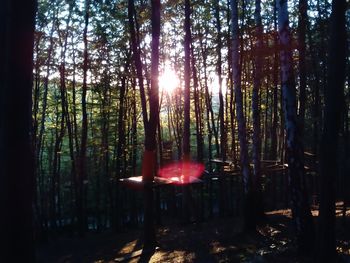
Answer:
(182, 172)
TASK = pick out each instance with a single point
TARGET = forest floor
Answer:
(215, 240)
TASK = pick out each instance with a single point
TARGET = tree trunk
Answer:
(302, 61)
(149, 158)
(334, 96)
(186, 132)
(16, 152)
(256, 112)
(236, 76)
(294, 148)
(197, 108)
(82, 175)
(274, 131)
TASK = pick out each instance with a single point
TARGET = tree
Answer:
(294, 148)
(249, 219)
(187, 101)
(302, 26)
(256, 109)
(334, 96)
(150, 125)
(16, 153)
(82, 174)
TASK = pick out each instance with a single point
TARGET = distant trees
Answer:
(17, 20)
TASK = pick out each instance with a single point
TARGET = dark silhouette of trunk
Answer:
(302, 60)
(40, 128)
(219, 72)
(249, 220)
(186, 154)
(334, 96)
(221, 125)
(274, 131)
(197, 108)
(16, 152)
(120, 147)
(150, 131)
(135, 45)
(74, 105)
(346, 179)
(55, 179)
(65, 119)
(206, 97)
(256, 112)
(294, 147)
(82, 174)
(187, 76)
(231, 105)
(151, 123)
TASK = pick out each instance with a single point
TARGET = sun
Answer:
(168, 80)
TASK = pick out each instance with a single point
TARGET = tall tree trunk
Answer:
(16, 153)
(334, 96)
(197, 109)
(302, 60)
(135, 45)
(256, 110)
(230, 82)
(221, 120)
(186, 154)
(187, 76)
(294, 148)
(149, 158)
(219, 72)
(120, 145)
(82, 175)
(236, 76)
(274, 131)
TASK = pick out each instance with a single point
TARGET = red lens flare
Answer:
(182, 172)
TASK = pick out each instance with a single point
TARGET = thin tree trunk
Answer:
(82, 175)
(186, 132)
(197, 108)
(302, 61)
(274, 130)
(256, 111)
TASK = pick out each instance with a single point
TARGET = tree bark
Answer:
(82, 174)
(274, 131)
(334, 96)
(294, 148)
(236, 76)
(17, 20)
(256, 111)
(302, 60)
(149, 158)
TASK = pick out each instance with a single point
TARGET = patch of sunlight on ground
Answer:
(128, 247)
(176, 256)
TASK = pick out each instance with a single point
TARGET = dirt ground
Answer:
(215, 240)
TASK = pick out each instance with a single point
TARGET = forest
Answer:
(175, 131)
